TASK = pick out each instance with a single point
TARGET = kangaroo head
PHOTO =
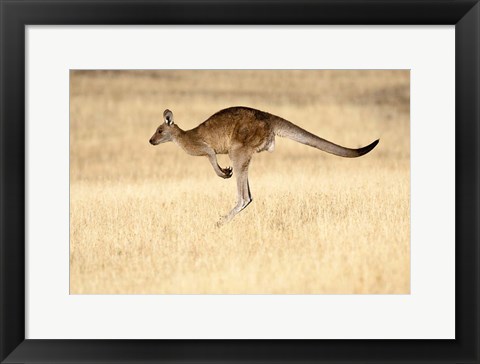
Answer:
(166, 131)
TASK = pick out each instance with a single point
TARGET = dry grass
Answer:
(143, 218)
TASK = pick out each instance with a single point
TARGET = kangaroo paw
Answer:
(227, 172)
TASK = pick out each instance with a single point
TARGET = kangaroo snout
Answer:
(154, 140)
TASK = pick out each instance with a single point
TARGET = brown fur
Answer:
(240, 132)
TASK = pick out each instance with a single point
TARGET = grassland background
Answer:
(143, 217)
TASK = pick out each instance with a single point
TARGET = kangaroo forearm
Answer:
(221, 172)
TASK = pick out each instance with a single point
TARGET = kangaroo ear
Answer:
(168, 117)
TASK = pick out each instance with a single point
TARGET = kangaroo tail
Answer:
(285, 128)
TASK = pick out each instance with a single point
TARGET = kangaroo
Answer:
(240, 132)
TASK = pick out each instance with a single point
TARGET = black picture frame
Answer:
(15, 15)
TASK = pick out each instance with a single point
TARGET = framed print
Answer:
(361, 259)
(119, 241)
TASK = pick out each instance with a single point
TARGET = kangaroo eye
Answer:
(159, 132)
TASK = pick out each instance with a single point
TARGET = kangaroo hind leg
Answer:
(241, 160)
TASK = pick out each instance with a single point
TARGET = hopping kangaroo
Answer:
(240, 132)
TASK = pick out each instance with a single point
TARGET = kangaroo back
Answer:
(285, 128)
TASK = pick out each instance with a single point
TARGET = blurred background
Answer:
(143, 217)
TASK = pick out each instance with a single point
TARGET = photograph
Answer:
(239, 182)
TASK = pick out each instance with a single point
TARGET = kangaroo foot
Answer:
(224, 219)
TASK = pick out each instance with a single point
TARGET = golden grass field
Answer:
(142, 218)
